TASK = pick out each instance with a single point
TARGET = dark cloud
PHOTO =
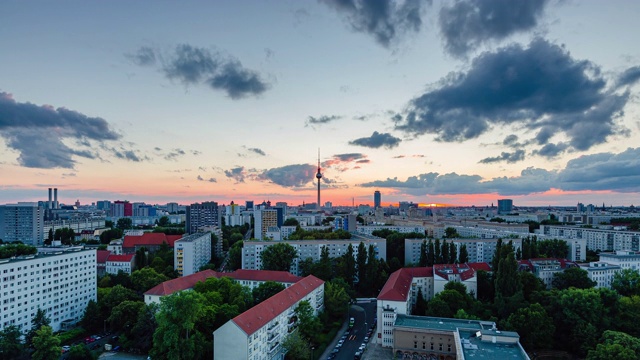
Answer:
(466, 24)
(551, 150)
(174, 154)
(238, 174)
(377, 140)
(196, 152)
(257, 151)
(510, 140)
(37, 133)
(128, 155)
(213, 180)
(384, 20)
(363, 161)
(629, 76)
(540, 88)
(342, 162)
(321, 120)
(399, 157)
(296, 175)
(198, 66)
(596, 172)
(145, 56)
(510, 158)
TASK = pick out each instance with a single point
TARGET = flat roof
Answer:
(473, 348)
(443, 324)
(193, 237)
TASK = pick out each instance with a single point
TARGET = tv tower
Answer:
(319, 176)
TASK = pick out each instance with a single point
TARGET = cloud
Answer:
(384, 20)
(342, 162)
(321, 120)
(510, 140)
(377, 140)
(145, 56)
(296, 175)
(174, 154)
(257, 151)
(192, 65)
(510, 158)
(551, 150)
(466, 24)
(539, 88)
(596, 172)
(237, 174)
(629, 76)
(37, 133)
(399, 157)
(213, 180)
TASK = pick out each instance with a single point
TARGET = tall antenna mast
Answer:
(318, 176)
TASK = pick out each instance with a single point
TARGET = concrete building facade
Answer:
(192, 252)
(22, 222)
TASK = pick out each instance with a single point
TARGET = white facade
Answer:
(23, 222)
(117, 263)
(257, 334)
(624, 259)
(77, 225)
(192, 252)
(602, 273)
(479, 250)
(369, 229)
(115, 246)
(596, 239)
(252, 250)
(60, 281)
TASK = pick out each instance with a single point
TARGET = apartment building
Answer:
(252, 250)
(117, 263)
(545, 268)
(192, 252)
(258, 333)
(479, 250)
(201, 215)
(265, 219)
(249, 278)
(596, 239)
(369, 229)
(151, 241)
(22, 222)
(601, 272)
(624, 258)
(60, 281)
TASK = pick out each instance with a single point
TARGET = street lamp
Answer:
(312, 348)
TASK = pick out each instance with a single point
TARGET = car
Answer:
(362, 346)
(340, 343)
(116, 349)
(343, 338)
(335, 351)
(366, 339)
(66, 348)
(357, 355)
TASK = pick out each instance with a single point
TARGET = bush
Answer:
(68, 337)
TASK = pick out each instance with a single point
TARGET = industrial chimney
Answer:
(49, 203)
(55, 198)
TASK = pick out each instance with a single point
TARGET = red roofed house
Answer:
(151, 241)
(249, 278)
(116, 263)
(400, 292)
(545, 269)
(101, 261)
(259, 332)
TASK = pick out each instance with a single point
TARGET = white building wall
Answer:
(191, 253)
(113, 267)
(602, 273)
(230, 342)
(61, 283)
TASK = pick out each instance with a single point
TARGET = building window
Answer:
(415, 344)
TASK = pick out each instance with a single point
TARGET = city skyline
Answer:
(429, 102)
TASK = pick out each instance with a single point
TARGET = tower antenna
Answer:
(318, 176)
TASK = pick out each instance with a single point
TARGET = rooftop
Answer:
(46, 252)
(483, 348)
(443, 324)
(131, 241)
(193, 237)
(120, 258)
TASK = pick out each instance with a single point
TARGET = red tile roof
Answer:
(464, 270)
(120, 258)
(130, 241)
(258, 316)
(398, 285)
(480, 266)
(564, 263)
(182, 283)
(102, 255)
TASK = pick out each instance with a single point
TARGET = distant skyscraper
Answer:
(264, 219)
(505, 206)
(201, 215)
(249, 205)
(376, 199)
(318, 176)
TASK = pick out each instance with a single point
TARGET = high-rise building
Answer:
(505, 206)
(121, 209)
(264, 219)
(201, 215)
(318, 177)
(376, 199)
(249, 205)
(192, 252)
(60, 281)
(23, 222)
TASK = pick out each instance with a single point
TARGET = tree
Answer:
(506, 277)
(626, 282)
(141, 259)
(616, 345)
(430, 253)
(291, 222)
(572, 277)
(554, 248)
(146, 278)
(278, 257)
(423, 254)
(530, 284)
(308, 324)
(306, 267)
(79, 352)
(420, 308)
(49, 237)
(175, 337)
(39, 320)
(124, 315)
(266, 290)
(453, 256)
(347, 266)
(629, 316)
(463, 257)
(336, 298)
(235, 256)
(164, 221)
(534, 326)
(450, 233)
(92, 320)
(297, 348)
(444, 252)
(11, 345)
(124, 223)
(322, 268)
(437, 257)
(115, 296)
(46, 344)
(143, 330)
(361, 263)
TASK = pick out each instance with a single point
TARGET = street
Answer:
(363, 314)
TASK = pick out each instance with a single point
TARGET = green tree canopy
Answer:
(626, 282)
(308, 324)
(279, 257)
(291, 222)
(164, 221)
(266, 290)
(616, 345)
(146, 278)
(39, 320)
(80, 352)
(11, 346)
(534, 326)
(46, 345)
(336, 298)
(572, 277)
(235, 256)
(297, 348)
(124, 223)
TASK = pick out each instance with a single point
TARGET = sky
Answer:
(435, 102)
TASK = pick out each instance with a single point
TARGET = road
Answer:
(362, 312)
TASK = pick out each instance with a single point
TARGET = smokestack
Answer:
(49, 203)
(55, 197)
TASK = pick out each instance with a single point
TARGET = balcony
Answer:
(273, 338)
(273, 347)
(273, 326)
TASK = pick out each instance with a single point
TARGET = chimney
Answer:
(49, 203)
(55, 197)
